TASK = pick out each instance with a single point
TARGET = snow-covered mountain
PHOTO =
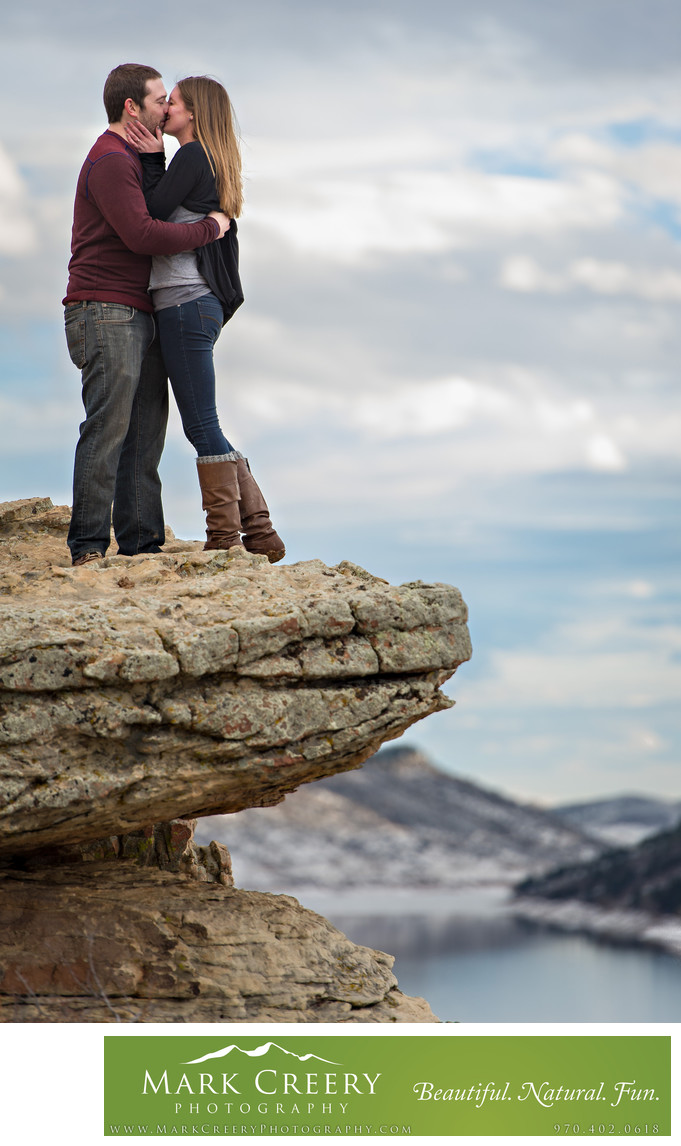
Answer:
(626, 894)
(643, 878)
(397, 822)
(622, 821)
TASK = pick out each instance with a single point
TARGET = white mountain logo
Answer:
(258, 1052)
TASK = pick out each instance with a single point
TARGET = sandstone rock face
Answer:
(135, 690)
(117, 942)
(137, 693)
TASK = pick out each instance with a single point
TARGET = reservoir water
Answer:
(549, 977)
(476, 963)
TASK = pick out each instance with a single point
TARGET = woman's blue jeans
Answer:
(188, 334)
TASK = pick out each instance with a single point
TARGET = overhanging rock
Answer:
(136, 690)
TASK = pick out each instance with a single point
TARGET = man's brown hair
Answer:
(127, 81)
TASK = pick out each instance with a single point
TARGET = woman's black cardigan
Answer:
(189, 182)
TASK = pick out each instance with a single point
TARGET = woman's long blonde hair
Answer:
(216, 130)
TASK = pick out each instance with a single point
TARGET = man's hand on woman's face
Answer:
(141, 138)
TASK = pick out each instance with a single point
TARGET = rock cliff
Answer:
(148, 928)
(136, 691)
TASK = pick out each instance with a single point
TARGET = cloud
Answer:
(616, 663)
(18, 233)
(652, 168)
(499, 419)
(656, 284)
(531, 680)
(431, 408)
(604, 454)
(523, 273)
(401, 211)
(554, 755)
(57, 424)
(641, 589)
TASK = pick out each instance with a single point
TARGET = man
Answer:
(110, 329)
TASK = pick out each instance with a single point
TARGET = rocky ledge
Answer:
(136, 691)
(149, 928)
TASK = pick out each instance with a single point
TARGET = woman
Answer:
(194, 295)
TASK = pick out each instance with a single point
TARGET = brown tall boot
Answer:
(256, 526)
(220, 499)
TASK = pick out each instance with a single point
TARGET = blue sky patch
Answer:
(638, 132)
(507, 163)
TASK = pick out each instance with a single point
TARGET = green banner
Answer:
(308, 1085)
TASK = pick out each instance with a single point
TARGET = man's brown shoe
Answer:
(85, 557)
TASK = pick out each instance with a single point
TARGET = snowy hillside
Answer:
(396, 822)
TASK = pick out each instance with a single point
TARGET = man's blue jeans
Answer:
(125, 395)
(188, 333)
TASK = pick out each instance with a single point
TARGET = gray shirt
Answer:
(176, 278)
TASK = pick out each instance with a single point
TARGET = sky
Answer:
(457, 360)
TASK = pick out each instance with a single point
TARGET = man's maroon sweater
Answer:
(114, 236)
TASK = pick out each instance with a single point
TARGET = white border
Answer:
(52, 1074)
